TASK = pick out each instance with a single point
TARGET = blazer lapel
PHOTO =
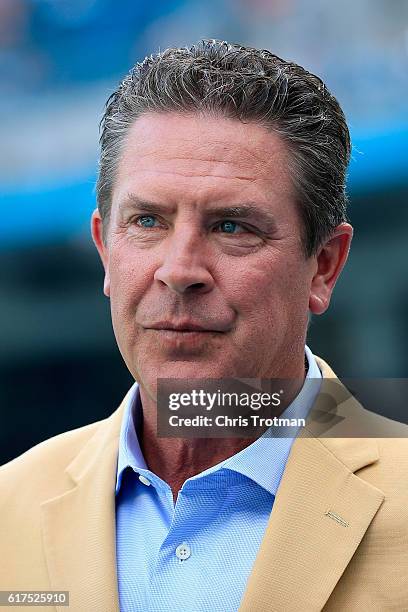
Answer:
(79, 525)
(320, 514)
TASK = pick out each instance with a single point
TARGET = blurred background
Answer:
(59, 61)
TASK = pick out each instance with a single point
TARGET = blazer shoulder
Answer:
(387, 428)
(42, 465)
(389, 471)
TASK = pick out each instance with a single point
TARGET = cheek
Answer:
(129, 278)
(271, 291)
(257, 283)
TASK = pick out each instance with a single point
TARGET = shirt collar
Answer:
(254, 461)
(130, 453)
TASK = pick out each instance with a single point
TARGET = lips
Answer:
(186, 326)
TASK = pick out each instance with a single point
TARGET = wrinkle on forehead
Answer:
(219, 151)
(159, 171)
(239, 166)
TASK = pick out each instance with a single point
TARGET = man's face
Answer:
(204, 263)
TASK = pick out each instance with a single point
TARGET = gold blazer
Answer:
(337, 537)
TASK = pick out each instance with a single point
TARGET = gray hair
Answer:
(249, 85)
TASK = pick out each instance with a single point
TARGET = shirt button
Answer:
(183, 551)
(144, 480)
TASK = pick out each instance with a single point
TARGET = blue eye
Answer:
(229, 227)
(146, 221)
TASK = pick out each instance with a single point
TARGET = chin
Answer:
(182, 370)
(189, 369)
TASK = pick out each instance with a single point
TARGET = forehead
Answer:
(184, 156)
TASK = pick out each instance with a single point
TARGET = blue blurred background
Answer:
(59, 61)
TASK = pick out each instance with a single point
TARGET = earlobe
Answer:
(97, 236)
(317, 305)
(106, 284)
(330, 260)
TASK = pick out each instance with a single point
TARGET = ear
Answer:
(330, 259)
(97, 235)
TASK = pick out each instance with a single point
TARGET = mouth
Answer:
(187, 338)
(185, 328)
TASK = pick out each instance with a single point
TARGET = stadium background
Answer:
(59, 61)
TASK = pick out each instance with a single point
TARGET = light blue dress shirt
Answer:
(196, 555)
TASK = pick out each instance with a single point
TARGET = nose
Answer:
(184, 266)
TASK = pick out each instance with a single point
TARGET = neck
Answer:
(175, 460)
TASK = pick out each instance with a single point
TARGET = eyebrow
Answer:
(239, 211)
(131, 201)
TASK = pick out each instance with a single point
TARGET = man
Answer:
(221, 225)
